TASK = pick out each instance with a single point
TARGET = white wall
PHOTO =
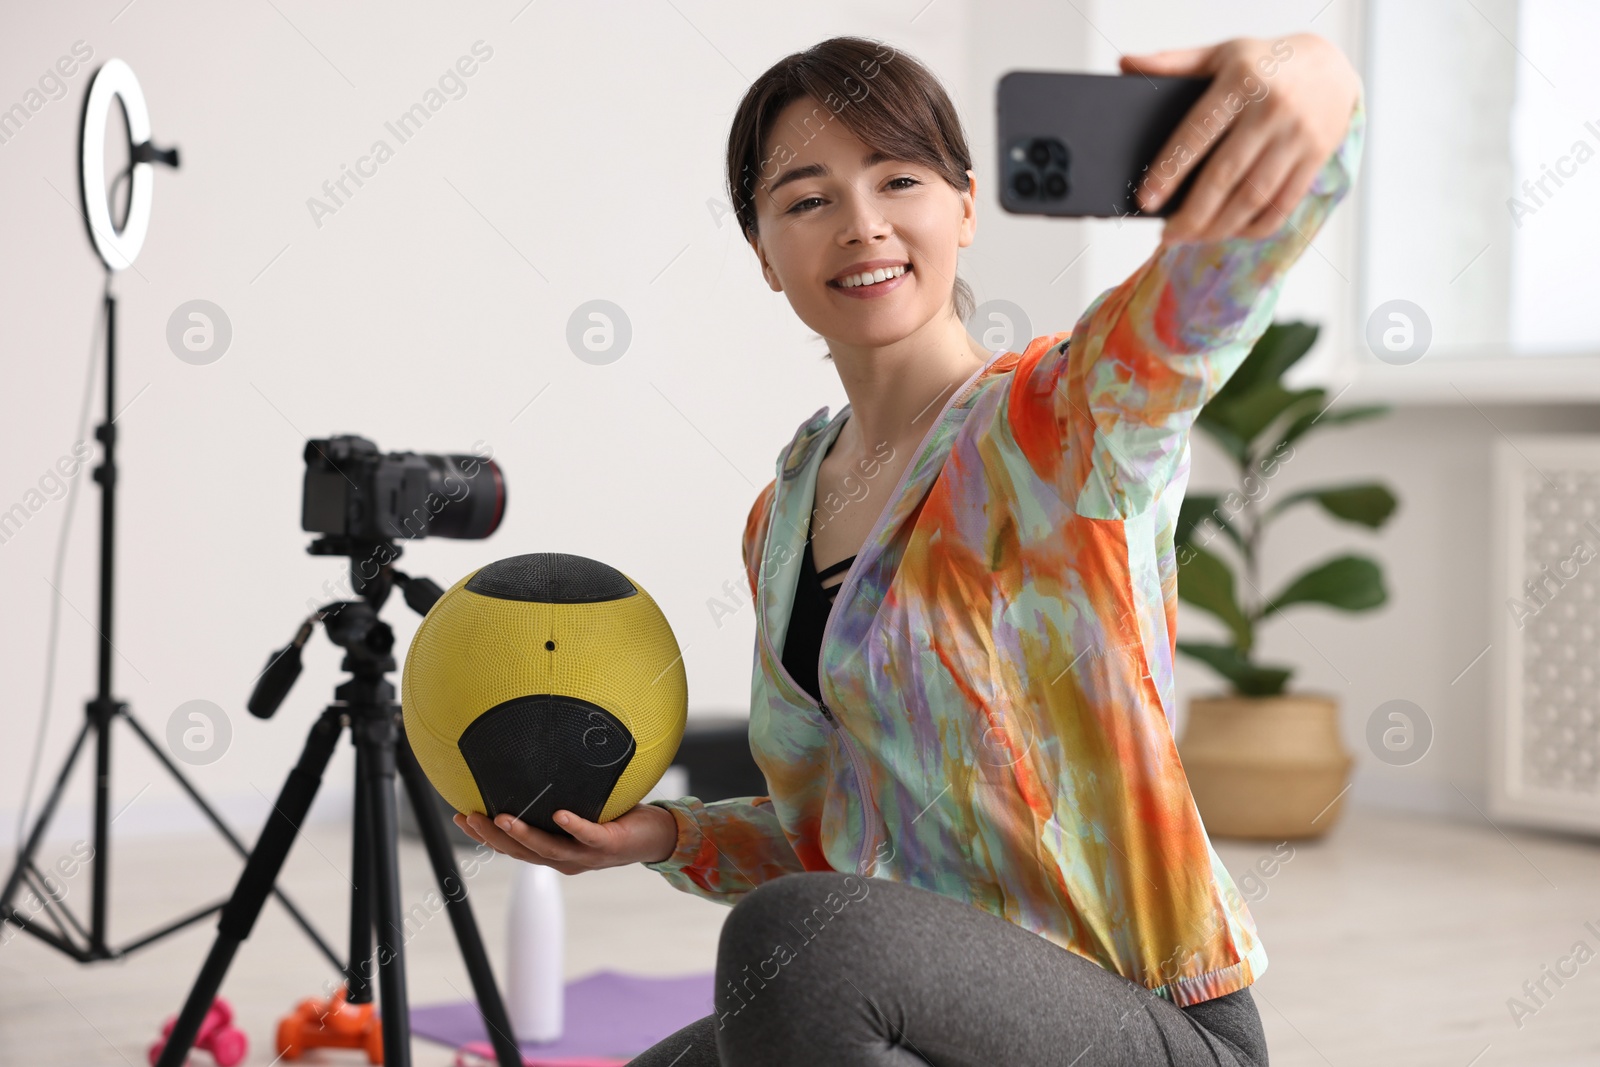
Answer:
(583, 162)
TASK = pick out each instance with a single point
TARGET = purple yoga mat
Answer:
(609, 1016)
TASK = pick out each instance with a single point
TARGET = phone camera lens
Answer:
(1035, 168)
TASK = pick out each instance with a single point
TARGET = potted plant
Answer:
(1263, 762)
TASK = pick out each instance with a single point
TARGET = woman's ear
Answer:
(766, 268)
(969, 210)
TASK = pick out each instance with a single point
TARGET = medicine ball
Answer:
(542, 682)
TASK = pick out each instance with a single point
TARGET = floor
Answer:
(1396, 941)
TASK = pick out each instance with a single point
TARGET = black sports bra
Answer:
(813, 602)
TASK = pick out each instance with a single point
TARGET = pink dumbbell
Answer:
(218, 1036)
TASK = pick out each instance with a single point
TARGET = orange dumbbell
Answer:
(336, 1023)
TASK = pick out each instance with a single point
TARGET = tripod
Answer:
(365, 703)
(88, 944)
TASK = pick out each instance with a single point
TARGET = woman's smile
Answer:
(866, 285)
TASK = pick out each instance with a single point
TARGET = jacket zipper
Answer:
(869, 841)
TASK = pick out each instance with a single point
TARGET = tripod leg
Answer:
(227, 832)
(490, 1006)
(378, 735)
(358, 976)
(255, 882)
(25, 857)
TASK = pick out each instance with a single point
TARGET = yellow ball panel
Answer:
(474, 652)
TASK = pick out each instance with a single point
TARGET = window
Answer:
(1483, 177)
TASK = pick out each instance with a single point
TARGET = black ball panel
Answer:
(551, 578)
(535, 755)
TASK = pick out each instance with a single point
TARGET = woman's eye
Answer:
(799, 208)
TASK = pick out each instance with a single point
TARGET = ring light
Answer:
(88, 944)
(118, 250)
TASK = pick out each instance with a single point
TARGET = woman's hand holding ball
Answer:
(645, 834)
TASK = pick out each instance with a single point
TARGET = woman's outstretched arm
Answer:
(1105, 415)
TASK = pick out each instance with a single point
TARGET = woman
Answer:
(979, 846)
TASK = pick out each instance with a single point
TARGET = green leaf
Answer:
(1356, 414)
(1205, 581)
(1198, 508)
(1278, 348)
(1195, 508)
(1322, 417)
(1249, 415)
(1247, 678)
(1370, 505)
(1350, 583)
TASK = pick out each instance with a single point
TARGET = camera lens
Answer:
(1055, 186)
(1039, 153)
(1024, 183)
(475, 502)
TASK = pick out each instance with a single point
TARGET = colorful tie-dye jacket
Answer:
(997, 670)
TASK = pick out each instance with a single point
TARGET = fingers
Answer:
(1176, 61)
(517, 839)
(1188, 143)
(496, 838)
(1223, 172)
(1252, 195)
(530, 837)
(585, 832)
(593, 845)
(1284, 200)
(467, 827)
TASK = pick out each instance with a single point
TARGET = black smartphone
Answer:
(1079, 144)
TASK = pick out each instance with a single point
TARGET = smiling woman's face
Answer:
(833, 205)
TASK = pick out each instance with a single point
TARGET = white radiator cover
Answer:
(1544, 752)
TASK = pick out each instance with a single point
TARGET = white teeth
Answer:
(872, 277)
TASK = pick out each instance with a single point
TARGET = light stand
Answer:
(117, 250)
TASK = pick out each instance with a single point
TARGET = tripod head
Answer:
(353, 625)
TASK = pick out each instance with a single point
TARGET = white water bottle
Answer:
(536, 954)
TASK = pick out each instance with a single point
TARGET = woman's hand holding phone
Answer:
(1282, 108)
(647, 833)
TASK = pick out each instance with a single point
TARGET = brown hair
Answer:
(891, 101)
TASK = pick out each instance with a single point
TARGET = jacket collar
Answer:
(814, 431)
(805, 441)
(792, 506)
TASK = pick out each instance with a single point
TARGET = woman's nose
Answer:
(864, 221)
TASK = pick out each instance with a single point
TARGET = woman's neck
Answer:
(897, 391)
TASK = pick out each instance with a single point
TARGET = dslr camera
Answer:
(355, 494)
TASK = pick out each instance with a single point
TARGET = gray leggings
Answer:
(887, 973)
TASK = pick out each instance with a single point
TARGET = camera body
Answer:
(354, 492)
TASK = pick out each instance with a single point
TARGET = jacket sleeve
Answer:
(1104, 413)
(728, 847)
(725, 848)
